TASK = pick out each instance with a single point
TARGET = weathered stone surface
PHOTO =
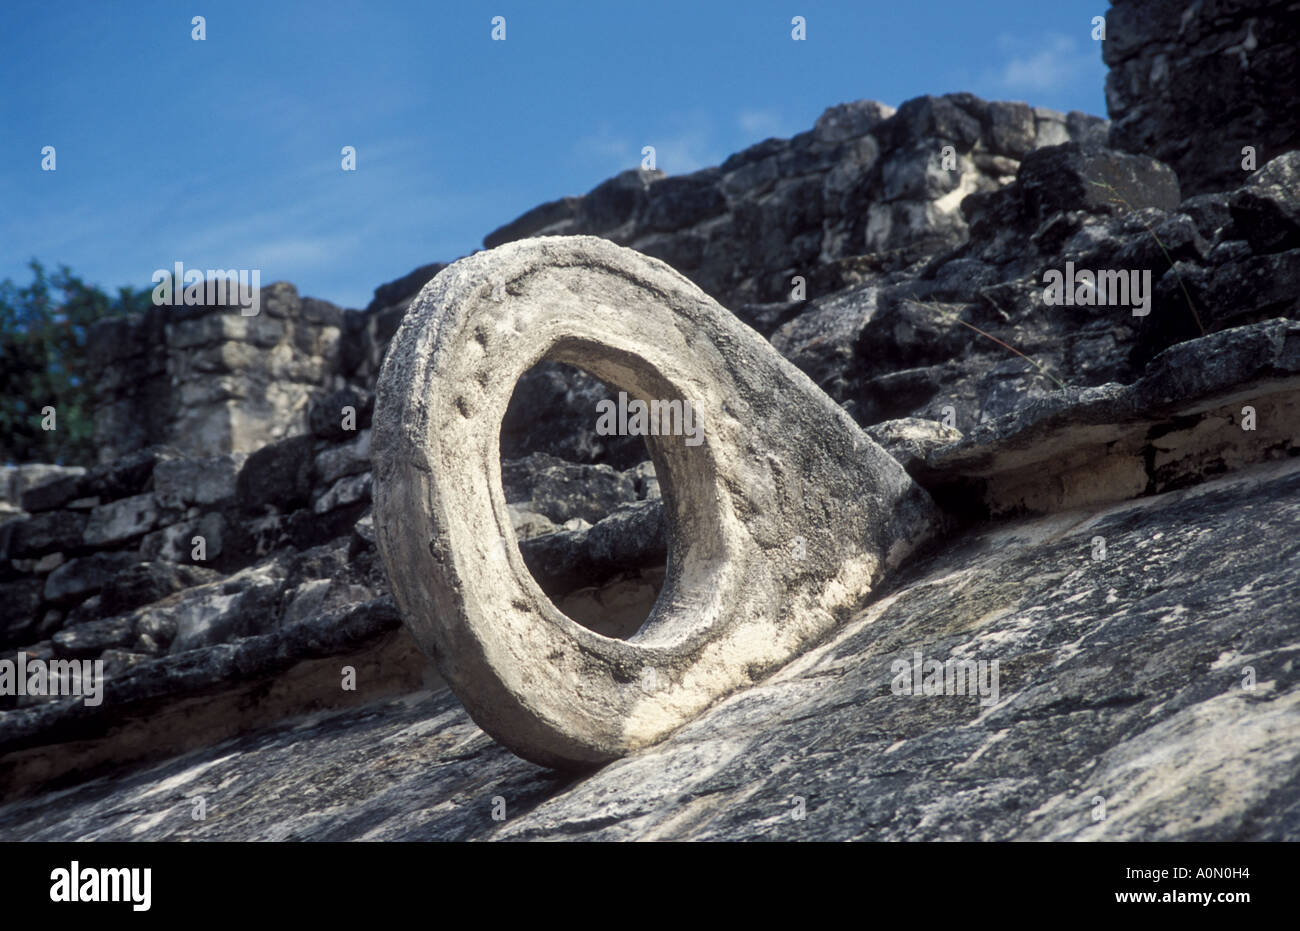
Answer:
(350, 458)
(339, 416)
(632, 538)
(350, 489)
(821, 340)
(47, 532)
(647, 481)
(911, 440)
(1194, 83)
(176, 542)
(721, 621)
(1180, 423)
(17, 481)
(22, 601)
(1090, 178)
(42, 566)
(1121, 677)
(176, 703)
(89, 610)
(143, 583)
(528, 524)
(94, 637)
(80, 578)
(1267, 209)
(119, 521)
(125, 476)
(865, 179)
(850, 120)
(563, 490)
(915, 333)
(55, 492)
(179, 483)
(279, 475)
(553, 410)
(240, 606)
(211, 380)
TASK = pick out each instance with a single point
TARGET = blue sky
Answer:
(226, 152)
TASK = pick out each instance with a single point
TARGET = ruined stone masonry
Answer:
(1119, 499)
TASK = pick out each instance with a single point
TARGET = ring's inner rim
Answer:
(686, 478)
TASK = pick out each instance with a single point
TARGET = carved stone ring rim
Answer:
(734, 605)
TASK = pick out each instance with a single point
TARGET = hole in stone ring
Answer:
(561, 478)
(624, 497)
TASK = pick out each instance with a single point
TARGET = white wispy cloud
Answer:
(764, 123)
(1045, 63)
(607, 148)
(686, 152)
(688, 146)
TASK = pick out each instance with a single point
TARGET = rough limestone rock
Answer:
(210, 380)
(40, 487)
(1122, 677)
(562, 491)
(1185, 420)
(1192, 82)
(865, 180)
(781, 520)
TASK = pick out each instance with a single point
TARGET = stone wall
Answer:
(158, 554)
(1192, 82)
(866, 179)
(208, 380)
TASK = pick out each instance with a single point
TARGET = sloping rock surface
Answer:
(1157, 686)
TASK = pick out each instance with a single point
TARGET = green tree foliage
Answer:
(44, 363)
